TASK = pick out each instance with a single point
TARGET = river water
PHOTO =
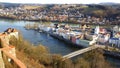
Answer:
(55, 46)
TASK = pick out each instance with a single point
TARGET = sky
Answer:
(60, 1)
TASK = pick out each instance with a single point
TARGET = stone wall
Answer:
(2, 65)
(7, 51)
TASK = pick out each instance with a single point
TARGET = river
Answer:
(55, 46)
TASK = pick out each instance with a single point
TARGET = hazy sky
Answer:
(60, 1)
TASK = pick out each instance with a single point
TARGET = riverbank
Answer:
(55, 46)
(112, 54)
(39, 54)
(66, 22)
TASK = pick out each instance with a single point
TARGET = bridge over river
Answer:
(78, 52)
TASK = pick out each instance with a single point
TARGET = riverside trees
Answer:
(39, 57)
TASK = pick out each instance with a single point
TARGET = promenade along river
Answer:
(55, 46)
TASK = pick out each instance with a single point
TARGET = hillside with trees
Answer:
(39, 57)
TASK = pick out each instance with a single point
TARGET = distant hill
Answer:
(8, 5)
(112, 4)
(109, 3)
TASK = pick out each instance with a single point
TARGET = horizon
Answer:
(60, 1)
